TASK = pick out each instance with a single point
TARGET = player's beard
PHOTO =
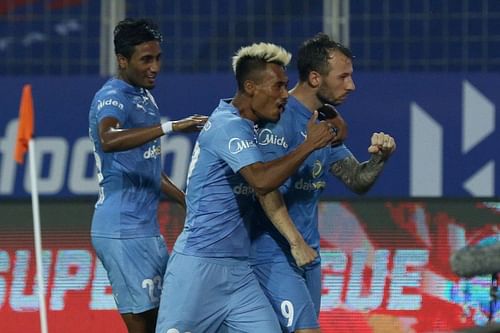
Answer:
(326, 100)
(325, 96)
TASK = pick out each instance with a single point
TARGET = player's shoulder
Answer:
(226, 116)
(224, 125)
(111, 94)
(112, 88)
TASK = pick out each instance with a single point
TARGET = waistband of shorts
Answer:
(224, 261)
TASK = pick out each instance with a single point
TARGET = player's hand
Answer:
(341, 128)
(382, 144)
(329, 113)
(192, 123)
(319, 134)
(303, 253)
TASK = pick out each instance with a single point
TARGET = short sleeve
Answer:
(338, 153)
(111, 105)
(236, 144)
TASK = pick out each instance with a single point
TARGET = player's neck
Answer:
(242, 103)
(306, 95)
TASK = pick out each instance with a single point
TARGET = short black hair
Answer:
(131, 32)
(314, 53)
(249, 68)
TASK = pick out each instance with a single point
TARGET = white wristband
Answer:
(167, 127)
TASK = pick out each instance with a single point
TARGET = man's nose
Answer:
(350, 85)
(155, 66)
(284, 92)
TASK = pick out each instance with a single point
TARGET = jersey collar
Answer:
(296, 106)
(126, 87)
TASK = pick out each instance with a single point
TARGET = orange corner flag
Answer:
(26, 124)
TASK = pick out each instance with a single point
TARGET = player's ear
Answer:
(249, 87)
(314, 79)
(122, 61)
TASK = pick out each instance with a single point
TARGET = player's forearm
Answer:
(172, 191)
(276, 211)
(359, 177)
(273, 174)
(117, 139)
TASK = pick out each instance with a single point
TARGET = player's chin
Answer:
(277, 115)
(149, 83)
(340, 100)
(274, 117)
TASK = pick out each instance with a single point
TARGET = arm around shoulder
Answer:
(114, 138)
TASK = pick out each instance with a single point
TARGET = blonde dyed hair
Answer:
(267, 52)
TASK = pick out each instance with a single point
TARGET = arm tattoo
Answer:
(359, 177)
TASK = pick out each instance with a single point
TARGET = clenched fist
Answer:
(382, 144)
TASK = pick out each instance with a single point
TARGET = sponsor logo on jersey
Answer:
(236, 145)
(243, 189)
(152, 152)
(267, 137)
(309, 185)
(317, 169)
(109, 102)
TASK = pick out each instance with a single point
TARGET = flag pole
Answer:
(38, 236)
(25, 143)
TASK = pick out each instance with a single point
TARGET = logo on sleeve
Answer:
(267, 137)
(236, 145)
(109, 102)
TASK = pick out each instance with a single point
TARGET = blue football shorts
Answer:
(207, 294)
(295, 294)
(135, 268)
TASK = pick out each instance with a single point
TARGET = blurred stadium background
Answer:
(63, 37)
(426, 72)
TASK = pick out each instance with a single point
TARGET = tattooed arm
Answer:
(360, 177)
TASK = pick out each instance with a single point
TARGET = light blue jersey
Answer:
(218, 198)
(302, 190)
(209, 285)
(129, 181)
(294, 293)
